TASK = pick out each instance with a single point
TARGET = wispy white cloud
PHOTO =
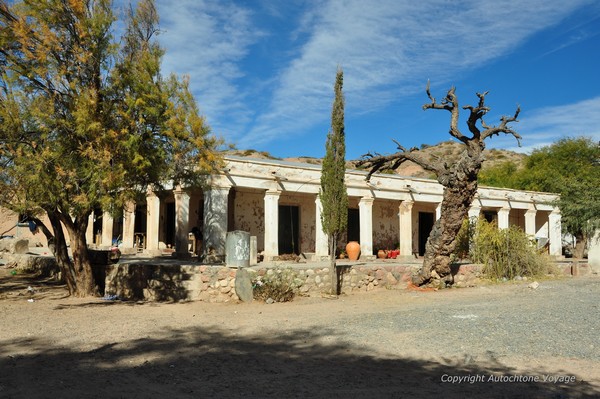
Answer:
(388, 49)
(546, 125)
(208, 40)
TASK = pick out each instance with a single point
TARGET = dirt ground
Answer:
(359, 345)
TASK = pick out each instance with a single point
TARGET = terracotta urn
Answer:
(382, 254)
(353, 250)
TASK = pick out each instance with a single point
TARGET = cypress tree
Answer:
(334, 198)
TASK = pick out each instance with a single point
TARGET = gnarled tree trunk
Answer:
(441, 243)
(459, 179)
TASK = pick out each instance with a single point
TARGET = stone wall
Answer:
(217, 283)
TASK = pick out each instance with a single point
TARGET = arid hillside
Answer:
(448, 150)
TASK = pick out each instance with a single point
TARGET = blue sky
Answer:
(262, 71)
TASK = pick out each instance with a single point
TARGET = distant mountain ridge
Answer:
(448, 150)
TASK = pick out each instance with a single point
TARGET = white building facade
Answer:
(278, 202)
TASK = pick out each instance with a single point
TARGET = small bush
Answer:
(507, 253)
(463, 240)
(279, 285)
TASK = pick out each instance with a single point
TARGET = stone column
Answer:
(215, 220)
(321, 242)
(365, 215)
(503, 214)
(89, 233)
(128, 224)
(182, 222)
(107, 229)
(594, 252)
(272, 224)
(405, 236)
(555, 233)
(474, 212)
(438, 211)
(152, 221)
(530, 222)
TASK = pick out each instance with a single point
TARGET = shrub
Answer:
(507, 253)
(463, 240)
(279, 285)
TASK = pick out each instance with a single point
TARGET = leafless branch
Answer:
(476, 114)
(503, 127)
(376, 162)
(449, 103)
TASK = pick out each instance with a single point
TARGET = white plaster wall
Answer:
(249, 215)
(8, 227)
(517, 217)
(541, 224)
(386, 224)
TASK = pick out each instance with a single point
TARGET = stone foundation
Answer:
(169, 282)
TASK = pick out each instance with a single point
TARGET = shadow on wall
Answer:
(145, 281)
(215, 222)
(217, 363)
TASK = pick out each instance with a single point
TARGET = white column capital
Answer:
(406, 206)
(368, 201)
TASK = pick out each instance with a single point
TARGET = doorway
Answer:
(170, 224)
(426, 220)
(353, 225)
(288, 229)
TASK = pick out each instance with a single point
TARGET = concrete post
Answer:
(107, 229)
(215, 220)
(89, 233)
(438, 211)
(365, 212)
(128, 224)
(272, 224)
(474, 212)
(503, 214)
(182, 222)
(321, 242)
(405, 236)
(530, 222)
(152, 221)
(555, 233)
(594, 252)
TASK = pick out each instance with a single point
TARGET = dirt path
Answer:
(492, 341)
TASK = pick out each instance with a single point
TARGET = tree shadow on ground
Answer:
(208, 362)
(17, 286)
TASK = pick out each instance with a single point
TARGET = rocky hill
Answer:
(449, 150)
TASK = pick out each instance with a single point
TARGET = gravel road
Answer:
(493, 341)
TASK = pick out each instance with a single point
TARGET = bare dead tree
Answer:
(459, 178)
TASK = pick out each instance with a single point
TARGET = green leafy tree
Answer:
(88, 121)
(333, 194)
(501, 175)
(569, 167)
